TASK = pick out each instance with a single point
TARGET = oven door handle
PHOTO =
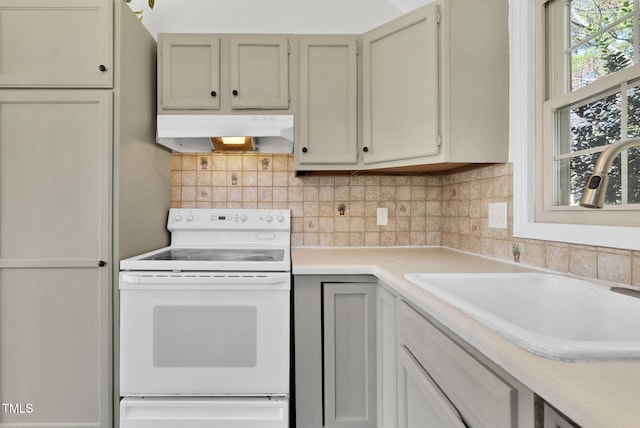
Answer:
(204, 281)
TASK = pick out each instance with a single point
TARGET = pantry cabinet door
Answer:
(401, 88)
(55, 256)
(259, 72)
(189, 72)
(66, 43)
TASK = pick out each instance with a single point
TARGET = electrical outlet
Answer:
(498, 215)
(383, 216)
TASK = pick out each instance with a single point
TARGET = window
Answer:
(589, 93)
(528, 23)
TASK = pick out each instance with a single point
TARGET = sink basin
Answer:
(551, 315)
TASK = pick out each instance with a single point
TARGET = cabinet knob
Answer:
(365, 149)
(214, 94)
(102, 67)
(102, 263)
(235, 92)
(305, 150)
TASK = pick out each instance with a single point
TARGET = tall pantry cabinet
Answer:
(82, 185)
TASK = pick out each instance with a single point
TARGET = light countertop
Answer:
(595, 394)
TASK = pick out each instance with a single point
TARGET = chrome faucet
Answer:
(594, 190)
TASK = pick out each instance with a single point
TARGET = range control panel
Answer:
(229, 219)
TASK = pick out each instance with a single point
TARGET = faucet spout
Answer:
(595, 189)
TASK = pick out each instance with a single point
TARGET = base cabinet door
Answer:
(62, 43)
(421, 403)
(483, 398)
(349, 355)
(386, 357)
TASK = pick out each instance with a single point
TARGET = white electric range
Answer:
(204, 323)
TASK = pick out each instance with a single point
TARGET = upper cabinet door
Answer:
(190, 72)
(400, 88)
(259, 72)
(328, 113)
(66, 43)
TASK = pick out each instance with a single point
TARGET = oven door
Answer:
(204, 333)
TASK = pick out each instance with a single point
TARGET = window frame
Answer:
(526, 66)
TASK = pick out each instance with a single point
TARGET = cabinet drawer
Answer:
(482, 398)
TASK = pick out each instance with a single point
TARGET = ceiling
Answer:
(270, 16)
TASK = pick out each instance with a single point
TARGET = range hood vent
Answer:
(193, 133)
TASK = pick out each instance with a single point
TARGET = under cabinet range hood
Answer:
(195, 133)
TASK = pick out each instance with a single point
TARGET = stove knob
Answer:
(190, 217)
(269, 218)
(280, 218)
(178, 217)
(243, 217)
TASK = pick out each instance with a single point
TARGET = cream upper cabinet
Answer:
(66, 43)
(259, 72)
(189, 66)
(400, 95)
(327, 123)
(223, 72)
(435, 87)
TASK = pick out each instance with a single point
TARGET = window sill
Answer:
(627, 238)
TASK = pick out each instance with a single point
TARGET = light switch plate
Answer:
(498, 215)
(383, 216)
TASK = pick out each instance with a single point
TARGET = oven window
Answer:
(205, 336)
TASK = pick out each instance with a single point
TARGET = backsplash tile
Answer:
(255, 180)
(449, 210)
(494, 184)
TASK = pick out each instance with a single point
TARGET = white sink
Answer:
(551, 315)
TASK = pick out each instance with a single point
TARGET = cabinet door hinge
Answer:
(439, 140)
(357, 48)
(288, 48)
(438, 16)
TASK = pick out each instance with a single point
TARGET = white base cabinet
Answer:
(459, 382)
(334, 351)
(423, 376)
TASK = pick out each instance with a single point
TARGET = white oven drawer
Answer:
(203, 413)
(201, 340)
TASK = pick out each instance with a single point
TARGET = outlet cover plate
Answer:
(383, 216)
(498, 215)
